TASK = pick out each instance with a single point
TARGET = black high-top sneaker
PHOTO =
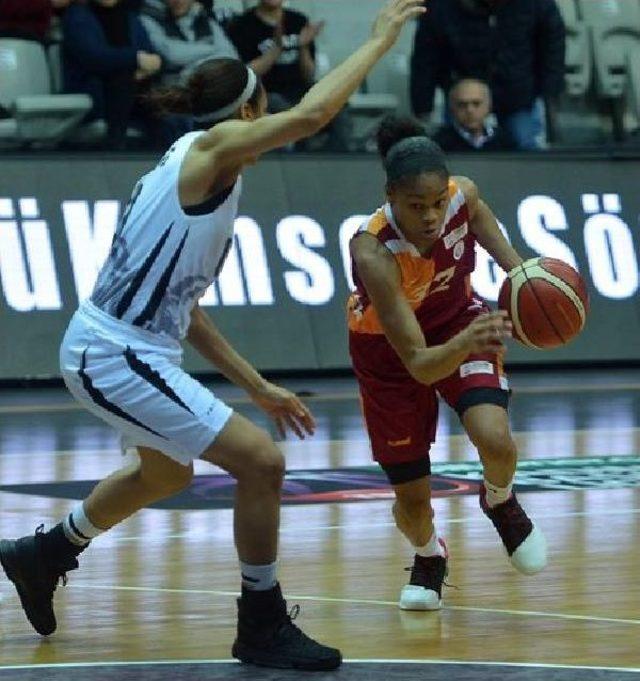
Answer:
(524, 542)
(268, 637)
(35, 575)
(424, 590)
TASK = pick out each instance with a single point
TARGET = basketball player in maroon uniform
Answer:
(416, 329)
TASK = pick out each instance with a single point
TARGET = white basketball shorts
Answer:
(131, 378)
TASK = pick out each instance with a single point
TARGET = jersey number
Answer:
(442, 280)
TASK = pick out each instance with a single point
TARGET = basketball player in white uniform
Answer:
(122, 351)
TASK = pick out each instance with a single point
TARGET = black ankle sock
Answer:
(264, 605)
(266, 596)
(58, 547)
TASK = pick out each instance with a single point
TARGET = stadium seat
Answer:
(614, 26)
(39, 117)
(386, 89)
(578, 58)
(54, 57)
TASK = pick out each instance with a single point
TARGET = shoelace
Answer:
(444, 581)
(286, 624)
(294, 612)
(62, 575)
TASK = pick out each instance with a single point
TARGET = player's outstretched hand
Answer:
(486, 333)
(286, 409)
(393, 16)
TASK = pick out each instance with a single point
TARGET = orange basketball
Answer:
(547, 302)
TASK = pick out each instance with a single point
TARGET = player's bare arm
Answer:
(380, 275)
(285, 408)
(204, 336)
(235, 142)
(485, 226)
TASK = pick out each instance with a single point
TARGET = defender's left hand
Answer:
(286, 409)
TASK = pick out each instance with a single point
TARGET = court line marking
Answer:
(443, 521)
(349, 395)
(434, 661)
(362, 601)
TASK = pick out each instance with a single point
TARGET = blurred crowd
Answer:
(500, 63)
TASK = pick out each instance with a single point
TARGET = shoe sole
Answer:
(419, 598)
(266, 660)
(10, 565)
(523, 562)
(420, 607)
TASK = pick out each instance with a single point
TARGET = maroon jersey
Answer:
(438, 286)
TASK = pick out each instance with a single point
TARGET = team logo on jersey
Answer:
(455, 235)
(458, 250)
(476, 367)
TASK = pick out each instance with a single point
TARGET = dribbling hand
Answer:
(486, 333)
(393, 16)
(286, 409)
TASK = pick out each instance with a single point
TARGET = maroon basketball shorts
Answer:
(401, 414)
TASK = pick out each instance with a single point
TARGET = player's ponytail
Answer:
(393, 129)
(214, 91)
(166, 100)
(407, 151)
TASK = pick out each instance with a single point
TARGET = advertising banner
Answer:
(281, 296)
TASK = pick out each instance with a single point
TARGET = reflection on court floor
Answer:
(162, 586)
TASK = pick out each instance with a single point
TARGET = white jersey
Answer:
(163, 259)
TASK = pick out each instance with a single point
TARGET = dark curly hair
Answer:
(407, 151)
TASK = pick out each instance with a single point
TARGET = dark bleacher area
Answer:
(600, 107)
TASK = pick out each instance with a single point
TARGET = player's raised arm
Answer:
(380, 275)
(235, 142)
(485, 227)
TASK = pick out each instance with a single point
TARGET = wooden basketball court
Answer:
(161, 586)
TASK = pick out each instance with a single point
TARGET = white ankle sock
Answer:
(258, 577)
(432, 548)
(78, 529)
(497, 495)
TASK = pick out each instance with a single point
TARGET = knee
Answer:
(496, 443)
(265, 462)
(167, 480)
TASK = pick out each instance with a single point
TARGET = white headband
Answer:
(227, 110)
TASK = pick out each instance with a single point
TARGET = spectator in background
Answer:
(107, 54)
(185, 35)
(278, 44)
(29, 19)
(517, 46)
(470, 105)
(157, 8)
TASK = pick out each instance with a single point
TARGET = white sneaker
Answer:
(531, 556)
(524, 542)
(424, 591)
(413, 597)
